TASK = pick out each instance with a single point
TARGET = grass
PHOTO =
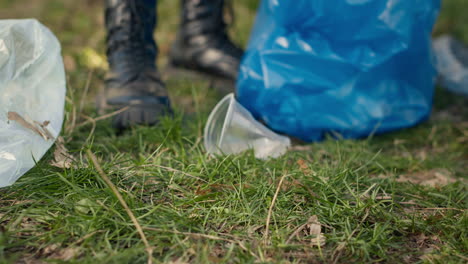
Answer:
(196, 209)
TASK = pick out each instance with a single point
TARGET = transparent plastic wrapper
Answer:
(231, 129)
(452, 64)
(32, 95)
(352, 68)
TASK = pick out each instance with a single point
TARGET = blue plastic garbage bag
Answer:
(352, 67)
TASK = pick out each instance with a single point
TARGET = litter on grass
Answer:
(231, 129)
(452, 64)
(350, 69)
(32, 95)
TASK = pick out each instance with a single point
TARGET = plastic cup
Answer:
(231, 129)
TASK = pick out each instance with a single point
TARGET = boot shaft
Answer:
(202, 17)
(129, 15)
(130, 27)
(203, 43)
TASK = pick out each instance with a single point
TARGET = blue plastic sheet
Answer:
(352, 67)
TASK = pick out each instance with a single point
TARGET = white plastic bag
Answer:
(32, 95)
(452, 64)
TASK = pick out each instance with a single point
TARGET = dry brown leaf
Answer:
(50, 249)
(55, 251)
(44, 129)
(24, 224)
(65, 254)
(433, 178)
(41, 130)
(62, 158)
(303, 166)
(312, 228)
(288, 185)
(427, 245)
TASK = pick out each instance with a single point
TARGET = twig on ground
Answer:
(93, 122)
(442, 209)
(114, 189)
(270, 210)
(462, 257)
(103, 117)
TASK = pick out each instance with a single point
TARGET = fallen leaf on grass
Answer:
(48, 250)
(313, 228)
(304, 167)
(65, 254)
(433, 178)
(292, 184)
(62, 158)
(427, 245)
(54, 251)
(50, 253)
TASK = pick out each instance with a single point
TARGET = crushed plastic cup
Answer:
(231, 129)
(32, 95)
(452, 64)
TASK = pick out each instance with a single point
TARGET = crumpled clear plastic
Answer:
(346, 67)
(231, 129)
(452, 64)
(32, 95)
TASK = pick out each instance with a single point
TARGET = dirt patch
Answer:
(433, 178)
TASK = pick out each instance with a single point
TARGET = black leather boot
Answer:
(202, 43)
(133, 80)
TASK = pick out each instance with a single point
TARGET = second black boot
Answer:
(133, 81)
(202, 43)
